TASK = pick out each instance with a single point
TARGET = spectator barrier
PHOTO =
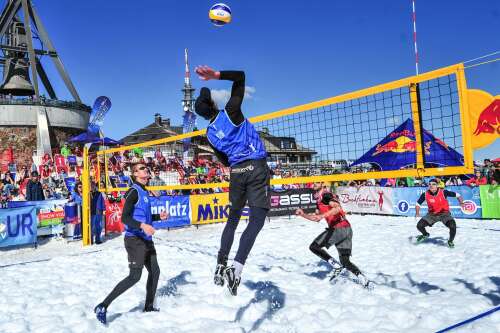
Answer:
(18, 226)
(286, 202)
(405, 198)
(18, 223)
(210, 208)
(176, 206)
(490, 201)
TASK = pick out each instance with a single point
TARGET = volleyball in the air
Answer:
(220, 14)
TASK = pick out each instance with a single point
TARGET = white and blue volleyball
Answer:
(220, 14)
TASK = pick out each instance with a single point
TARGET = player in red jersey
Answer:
(338, 233)
(439, 211)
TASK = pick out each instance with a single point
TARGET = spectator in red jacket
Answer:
(477, 180)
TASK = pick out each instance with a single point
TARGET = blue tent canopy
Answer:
(398, 150)
(89, 137)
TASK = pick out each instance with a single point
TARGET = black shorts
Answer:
(139, 251)
(250, 181)
(432, 219)
(340, 237)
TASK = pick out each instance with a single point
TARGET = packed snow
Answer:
(285, 288)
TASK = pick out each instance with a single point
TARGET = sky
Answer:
(293, 52)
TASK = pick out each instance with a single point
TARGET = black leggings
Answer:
(344, 261)
(344, 255)
(318, 250)
(247, 239)
(134, 276)
(451, 224)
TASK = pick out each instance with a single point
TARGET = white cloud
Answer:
(222, 96)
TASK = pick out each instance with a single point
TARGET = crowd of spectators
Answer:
(49, 177)
(487, 173)
(167, 170)
(58, 176)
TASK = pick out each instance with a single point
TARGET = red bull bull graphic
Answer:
(401, 144)
(398, 150)
(484, 112)
(489, 119)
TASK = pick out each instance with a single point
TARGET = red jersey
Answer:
(438, 203)
(336, 221)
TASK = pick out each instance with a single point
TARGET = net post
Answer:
(86, 231)
(417, 124)
(465, 118)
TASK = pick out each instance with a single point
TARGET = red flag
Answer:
(114, 216)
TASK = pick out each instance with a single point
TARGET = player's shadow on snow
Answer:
(321, 274)
(265, 291)
(265, 268)
(492, 295)
(171, 288)
(431, 240)
(437, 241)
(422, 286)
(115, 316)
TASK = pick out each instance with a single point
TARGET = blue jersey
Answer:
(142, 213)
(239, 142)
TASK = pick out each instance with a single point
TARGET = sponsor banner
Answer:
(366, 199)
(114, 216)
(210, 208)
(490, 201)
(18, 226)
(49, 212)
(176, 206)
(70, 183)
(405, 198)
(287, 202)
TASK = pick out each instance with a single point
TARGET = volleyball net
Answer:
(413, 127)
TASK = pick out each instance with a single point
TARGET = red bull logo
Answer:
(484, 110)
(402, 144)
(489, 119)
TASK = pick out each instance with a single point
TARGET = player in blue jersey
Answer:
(236, 143)
(141, 251)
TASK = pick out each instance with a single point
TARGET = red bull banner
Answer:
(398, 150)
(484, 112)
(114, 216)
(366, 199)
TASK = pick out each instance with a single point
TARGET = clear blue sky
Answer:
(293, 52)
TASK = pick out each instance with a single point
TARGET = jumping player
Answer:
(439, 211)
(338, 233)
(236, 143)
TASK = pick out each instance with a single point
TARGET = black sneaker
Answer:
(150, 309)
(232, 281)
(219, 275)
(100, 313)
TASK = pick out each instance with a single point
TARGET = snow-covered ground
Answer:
(418, 288)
